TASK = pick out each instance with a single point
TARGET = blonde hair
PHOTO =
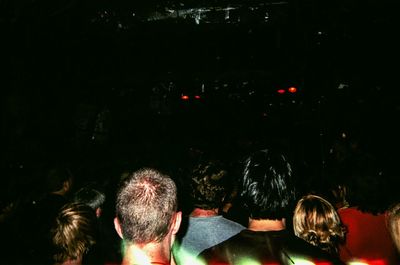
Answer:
(316, 221)
(394, 224)
(74, 232)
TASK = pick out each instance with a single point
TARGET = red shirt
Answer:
(367, 238)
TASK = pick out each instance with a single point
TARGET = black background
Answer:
(66, 63)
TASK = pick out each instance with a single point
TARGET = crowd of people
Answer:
(213, 211)
(92, 78)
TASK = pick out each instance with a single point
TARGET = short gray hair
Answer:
(146, 203)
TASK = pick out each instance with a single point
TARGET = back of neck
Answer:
(197, 212)
(266, 225)
(151, 253)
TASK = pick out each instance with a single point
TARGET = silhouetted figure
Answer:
(95, 198)
(394, 224)
(368, 237)
(358, 185)
(58, 183)
(92, 197)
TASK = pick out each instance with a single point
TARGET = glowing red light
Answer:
(197, 97)
(281, 91)
(184, 97)
(292, 89)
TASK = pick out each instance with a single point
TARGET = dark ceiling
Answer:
(308, 42)
(98, 83)
(58, 54)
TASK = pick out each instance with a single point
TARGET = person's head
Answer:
(267, 189)
(92, 197)
(73, 233)
(394, 224)
(59, 179)
(208, 185)
(316, 221)
(146, 208)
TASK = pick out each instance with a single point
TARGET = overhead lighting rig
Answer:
(206, 13)
(231, 13)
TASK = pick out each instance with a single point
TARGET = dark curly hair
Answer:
(208, 183)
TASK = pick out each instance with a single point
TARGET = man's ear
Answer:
(98, 212)
(177, 223)
(66, 185)
(117, 227)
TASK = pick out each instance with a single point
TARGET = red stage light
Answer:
(281, 91)
(197, 97)
(184, 97)
(292, 89)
